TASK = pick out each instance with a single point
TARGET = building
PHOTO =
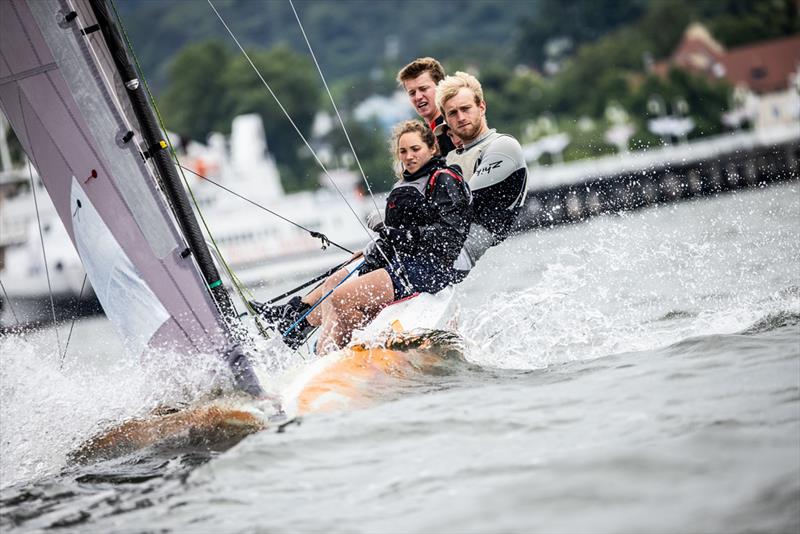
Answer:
(765, 74)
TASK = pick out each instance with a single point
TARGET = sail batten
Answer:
(28, 73)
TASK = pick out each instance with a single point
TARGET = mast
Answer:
(157, 150)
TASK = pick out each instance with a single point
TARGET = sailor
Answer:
(426, 222)
(418, 79)
(492, 163)
(443, 128)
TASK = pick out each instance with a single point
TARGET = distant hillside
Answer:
(351, 38)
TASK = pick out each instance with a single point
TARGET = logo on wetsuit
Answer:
(487, 168)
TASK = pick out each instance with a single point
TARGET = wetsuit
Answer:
(426, 223)
(443, 140)
(495, 169)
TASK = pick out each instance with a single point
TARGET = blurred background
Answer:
(598, 71)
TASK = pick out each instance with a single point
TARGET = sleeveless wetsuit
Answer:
(495, 169)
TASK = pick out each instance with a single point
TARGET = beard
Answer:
(469, 131)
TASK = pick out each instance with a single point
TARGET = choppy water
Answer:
(632, 373)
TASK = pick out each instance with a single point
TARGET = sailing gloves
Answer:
(375, 221)
(372, 253)
(390, 239)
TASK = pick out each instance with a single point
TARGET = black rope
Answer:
(324, 275)
(71, 326)
(318, 235)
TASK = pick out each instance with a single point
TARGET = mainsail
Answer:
(62, 91)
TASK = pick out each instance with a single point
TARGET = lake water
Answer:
(634, 373)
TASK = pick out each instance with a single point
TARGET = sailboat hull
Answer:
(354, 378)
(218, 424)
(386, 360)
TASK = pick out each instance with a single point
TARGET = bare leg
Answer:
(351, 305)
(315, 317)
(327, 314)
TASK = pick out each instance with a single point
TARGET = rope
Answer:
(302, 137)
(335, 108)
(323, 297)
(318, 235)
(71, 326)
(10, 306)
(304, 285)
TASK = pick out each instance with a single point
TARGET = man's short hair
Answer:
(450, 85)
(420, 66)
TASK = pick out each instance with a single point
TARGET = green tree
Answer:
(195, 102)
(594, 75)
(580, 21)
(738, 22)
(294, 82)
(706, 100)
(513, 100)
(370, 142)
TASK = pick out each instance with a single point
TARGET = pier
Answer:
(578, 190)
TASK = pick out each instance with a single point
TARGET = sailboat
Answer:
(81, 113)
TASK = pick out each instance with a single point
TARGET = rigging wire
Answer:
(38, 218)
(10, 306)
(335, 108)
(315, 234)
(72, 325)
(288, 117)
(44, 256)
(389, 264)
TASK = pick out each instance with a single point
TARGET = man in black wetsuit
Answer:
(491, 163)
(418, 79)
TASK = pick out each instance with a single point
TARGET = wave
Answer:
(773, 321)
(676, 314)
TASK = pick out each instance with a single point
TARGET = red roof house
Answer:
(762, 67)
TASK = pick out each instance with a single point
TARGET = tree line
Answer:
(568, 61)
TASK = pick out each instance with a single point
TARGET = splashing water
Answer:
(47, 409)
(634, 282)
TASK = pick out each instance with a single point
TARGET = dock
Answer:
(574, 191)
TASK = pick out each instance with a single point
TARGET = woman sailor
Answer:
(427, 219)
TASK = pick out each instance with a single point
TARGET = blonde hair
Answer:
(420, 66)
(450, 85)
(402, 128)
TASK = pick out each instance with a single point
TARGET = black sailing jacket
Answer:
(428, 214)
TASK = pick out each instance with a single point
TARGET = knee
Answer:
(334, 279)
(339, 303)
